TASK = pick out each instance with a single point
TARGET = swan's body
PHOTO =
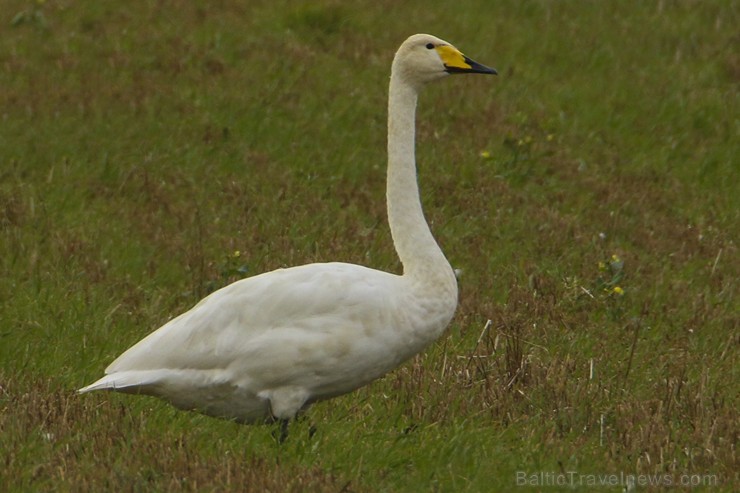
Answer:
(268, 346)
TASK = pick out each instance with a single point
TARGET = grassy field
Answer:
(151, 152)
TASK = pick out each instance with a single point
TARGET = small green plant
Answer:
(231, 269)
(611, 273)
(609, 285)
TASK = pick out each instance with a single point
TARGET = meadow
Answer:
(152, 152)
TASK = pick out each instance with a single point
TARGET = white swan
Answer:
(266, 347)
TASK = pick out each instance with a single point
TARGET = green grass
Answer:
(142, 144)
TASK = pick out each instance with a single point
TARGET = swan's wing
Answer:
(275, 326)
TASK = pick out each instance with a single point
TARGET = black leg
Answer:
(281, 433)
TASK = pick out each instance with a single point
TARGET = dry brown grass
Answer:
(68, 451)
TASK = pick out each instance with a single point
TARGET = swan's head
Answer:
(423, 58)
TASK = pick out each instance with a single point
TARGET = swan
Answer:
(266, 347)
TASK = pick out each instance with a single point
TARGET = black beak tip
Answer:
(476, 68)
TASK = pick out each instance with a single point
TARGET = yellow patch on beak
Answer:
(457, 63)
(452, 58)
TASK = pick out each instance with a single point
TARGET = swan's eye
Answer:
(430, 46)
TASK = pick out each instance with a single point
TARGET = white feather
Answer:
(267, 346)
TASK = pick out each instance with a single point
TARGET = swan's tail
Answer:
(124, 381)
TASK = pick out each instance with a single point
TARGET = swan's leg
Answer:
(302, 418)
(280, 433)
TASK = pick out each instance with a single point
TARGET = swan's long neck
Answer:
(420, 255)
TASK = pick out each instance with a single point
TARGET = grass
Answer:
(144, 144)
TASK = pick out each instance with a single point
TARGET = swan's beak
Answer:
(457, 63)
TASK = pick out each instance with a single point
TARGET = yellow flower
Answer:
(550, 137)
(618, 291)
(485, 154)
(615, 258)
(602, 266)
(236, 254)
